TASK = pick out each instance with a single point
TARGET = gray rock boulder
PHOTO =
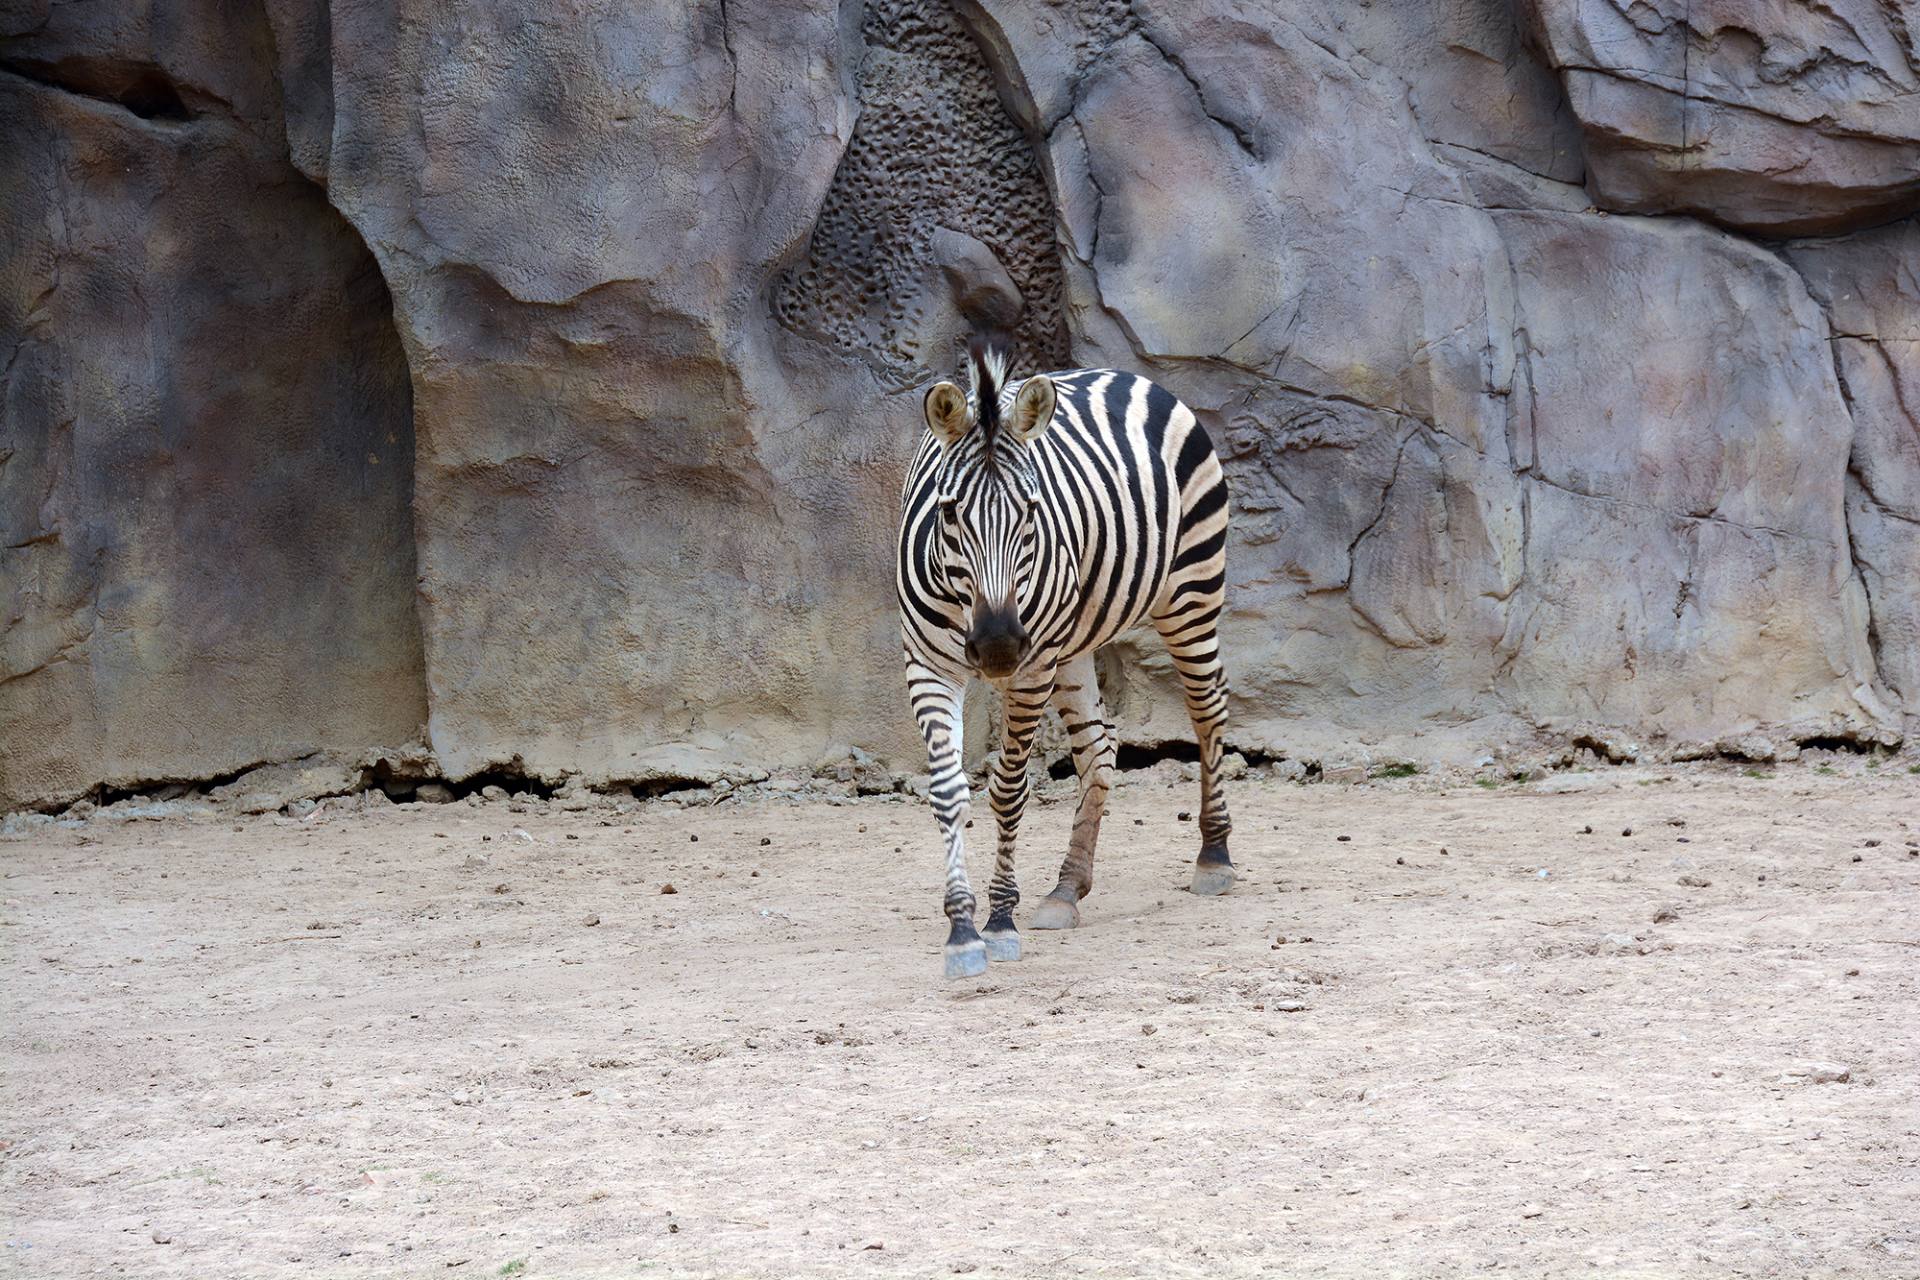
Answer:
(1775, 118)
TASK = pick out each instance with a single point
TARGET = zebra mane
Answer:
(987, 363)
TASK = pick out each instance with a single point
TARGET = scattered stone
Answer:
(1697, 882)
(692, 839)
(1587, 830)
(1343, 839)
(1665, 915)
(1531, 1210)
(433, 793)
(667, 888)
(1147, 1028)
(492, 792)
(766, 840)
(161, 1237)
(1822, 1073)
(1289, 1006)
(1873, 844)
(1183, 816)
(591, 921)
(1626, 831)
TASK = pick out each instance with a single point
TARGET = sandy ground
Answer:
(397, 1043)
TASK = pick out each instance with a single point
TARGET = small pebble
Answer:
(1857, 858)
(692, 839)
(1587, 830)
(667, 888)
(1873, 844)
(591, 921)
(766, 840)
(1398, 862)
(1626, 831)
(1184, 816)
(162, 1238)
(1343, 839)
(1696, 882)
(1665, 915)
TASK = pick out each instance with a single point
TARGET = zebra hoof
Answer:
(1002, 944)
(1211, 879)
(966, 959)
(1054, 913)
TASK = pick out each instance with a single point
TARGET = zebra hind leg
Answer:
(1077, 697)
(1194, 645)
(937, 707)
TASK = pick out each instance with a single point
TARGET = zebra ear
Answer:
(946, 412)
(1032, 409)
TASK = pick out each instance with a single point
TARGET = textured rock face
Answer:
(650, 543)
(1483, 484)
(206, 554)
(667, 286)
(1778, 118)
(1868, 284)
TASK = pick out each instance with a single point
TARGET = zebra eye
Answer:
(947, 507)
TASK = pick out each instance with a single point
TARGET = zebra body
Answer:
(1039, 520)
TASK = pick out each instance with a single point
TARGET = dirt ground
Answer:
(414, 1042)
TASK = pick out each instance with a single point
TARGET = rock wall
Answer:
(206, 441)
(540, 383)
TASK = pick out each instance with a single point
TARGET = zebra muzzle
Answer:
(996, 643)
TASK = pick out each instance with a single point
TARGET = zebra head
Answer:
(988, 491)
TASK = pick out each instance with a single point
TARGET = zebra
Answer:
(1039, 520)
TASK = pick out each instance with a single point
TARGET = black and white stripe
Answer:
(1040, 520)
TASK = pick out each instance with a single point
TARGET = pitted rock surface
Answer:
(933, 151)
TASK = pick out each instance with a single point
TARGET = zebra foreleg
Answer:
(937, 707)
(1077, 697)
(1020, 708)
